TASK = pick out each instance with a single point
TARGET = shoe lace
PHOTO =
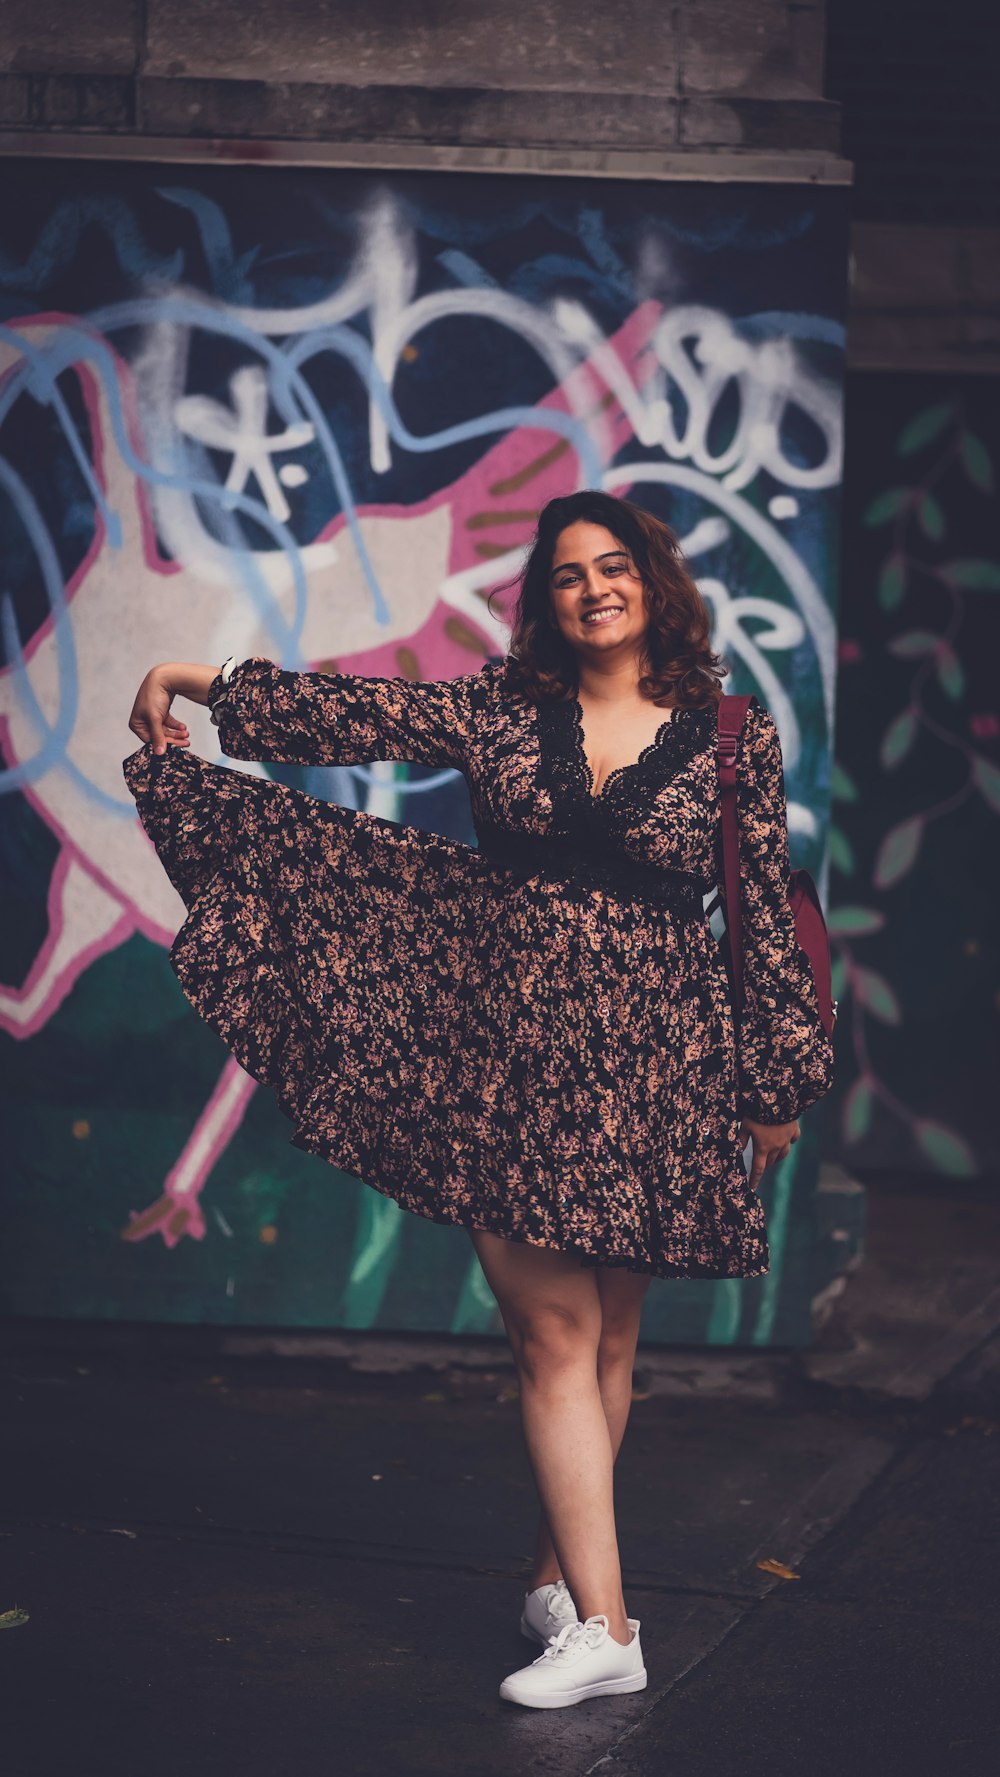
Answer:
(577, 1638)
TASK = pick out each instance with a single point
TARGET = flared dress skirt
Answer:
(491, 1048)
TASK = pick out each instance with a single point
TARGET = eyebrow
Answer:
(608, 553)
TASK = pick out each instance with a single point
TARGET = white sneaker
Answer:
(581, 1661)
(545, 1611)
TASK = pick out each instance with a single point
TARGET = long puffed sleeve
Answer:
(785, 1056)
(290, 718)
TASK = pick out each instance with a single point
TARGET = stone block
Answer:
(80, 102)
(767, 48)
(555, 45)
(15, 101)
(473, 117)
(912, 266)
(66, 37)
(777, 124)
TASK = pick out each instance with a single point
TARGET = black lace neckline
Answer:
(584, 772)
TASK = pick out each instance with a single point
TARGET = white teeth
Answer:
(595, 617)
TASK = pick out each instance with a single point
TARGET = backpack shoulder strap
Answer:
(732, 714)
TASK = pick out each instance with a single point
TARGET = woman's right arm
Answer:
(296, 718)
(151, 717)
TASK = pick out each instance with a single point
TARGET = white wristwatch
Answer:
(225, 674)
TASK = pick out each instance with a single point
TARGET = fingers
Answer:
(765, 1157)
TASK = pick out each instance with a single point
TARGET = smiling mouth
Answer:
(606, 614)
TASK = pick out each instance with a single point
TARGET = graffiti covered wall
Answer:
(313, 414)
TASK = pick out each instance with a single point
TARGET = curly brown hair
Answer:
(678, 665)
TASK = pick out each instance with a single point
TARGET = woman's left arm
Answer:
(785, 1056)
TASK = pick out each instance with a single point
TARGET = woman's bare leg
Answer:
(551, 1309)
(622, 1294)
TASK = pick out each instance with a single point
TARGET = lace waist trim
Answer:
(576, 866)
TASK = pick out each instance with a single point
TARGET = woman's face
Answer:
(597, 596)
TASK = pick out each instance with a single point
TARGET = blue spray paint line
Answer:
(42, 385)
(56, 738)
(156, 310)
(780, 324)
(465, 270)
(64, 354)
(228, 273)
(504, 419)
(58, 241)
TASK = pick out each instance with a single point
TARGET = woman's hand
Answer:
(771, 1142)
(151, 719)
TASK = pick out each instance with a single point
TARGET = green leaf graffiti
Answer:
(875, 993)
(917, 518)
(841, 852)
(931, 518)
(912, 643)
(976, 576)
(947, 1150)
(858, 1106)
(987, 778)
(924, 427)
(976, 461)
(897, 852)
(854, 922)
(886, 506)
(951, 675)
(892, 583)
(842, 785)
(898, 738)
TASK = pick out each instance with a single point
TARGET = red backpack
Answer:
(803, 896)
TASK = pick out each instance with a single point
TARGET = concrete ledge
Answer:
(726, 166)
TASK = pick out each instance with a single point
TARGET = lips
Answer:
(605, 614)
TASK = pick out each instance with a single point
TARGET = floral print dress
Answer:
(535, 1036)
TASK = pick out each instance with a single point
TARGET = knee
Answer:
(550, 1341)
(617, 1343)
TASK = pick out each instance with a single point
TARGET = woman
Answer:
(532, 1039)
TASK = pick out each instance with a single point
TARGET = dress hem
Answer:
(591, 1261)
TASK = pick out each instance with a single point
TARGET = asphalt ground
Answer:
(240, 1559)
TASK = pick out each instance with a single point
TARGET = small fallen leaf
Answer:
(434, 1397)
(114, 1532)
(376, 1477)
(12, 1619)
(404, 1600)
(778, 1567)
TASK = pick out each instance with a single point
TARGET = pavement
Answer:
(307, 1553)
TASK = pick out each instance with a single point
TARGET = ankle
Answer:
(545, 1576)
